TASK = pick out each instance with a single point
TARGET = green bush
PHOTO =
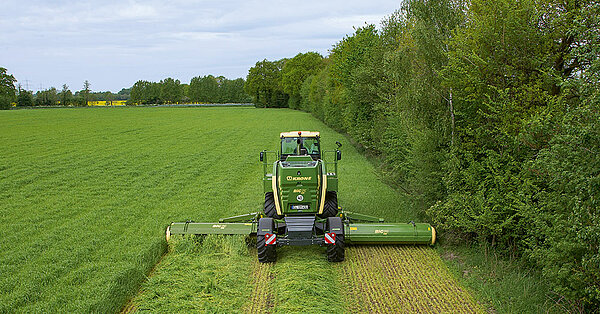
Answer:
(565, 240)
(5, 102)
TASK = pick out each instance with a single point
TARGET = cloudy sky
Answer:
(115, 43)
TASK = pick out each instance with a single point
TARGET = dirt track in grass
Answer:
(406, 279)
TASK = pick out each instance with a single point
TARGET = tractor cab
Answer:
(301, 143)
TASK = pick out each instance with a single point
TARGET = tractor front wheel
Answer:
(266, 253)
(269, 207)
(330, 208)
(335, 252)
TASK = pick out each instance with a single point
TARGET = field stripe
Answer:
(262, 297)
(407, 279)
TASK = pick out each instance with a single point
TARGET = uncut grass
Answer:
(504, 286)
(208, 274)
(85, 194)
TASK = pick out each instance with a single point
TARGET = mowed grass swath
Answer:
(85, 195)
(407, 279)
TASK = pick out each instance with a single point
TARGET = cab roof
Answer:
(299, 133)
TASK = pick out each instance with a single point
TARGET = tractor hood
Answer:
(299, 178)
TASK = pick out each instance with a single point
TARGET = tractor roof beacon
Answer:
(301, 206)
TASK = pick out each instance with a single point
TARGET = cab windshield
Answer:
(308, 146)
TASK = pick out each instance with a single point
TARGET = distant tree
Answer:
(65, 96)
(124, 94)
(7, 89)
(171, 91)
(204, 89)
(263, 84)
(186, 91)
(144, 92)
(25, 98)
(211, 89)
(236, 90)
(108, 97)
(47, 97)
(136, 94)
(229, 90)
(86, 92)
(296, 70)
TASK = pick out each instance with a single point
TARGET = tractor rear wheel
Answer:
(335, 252)
(269, 207)
(330, 209)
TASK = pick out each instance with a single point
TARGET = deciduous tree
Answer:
(25, 98)
(295, 71)
(7, 89)
(263, 83)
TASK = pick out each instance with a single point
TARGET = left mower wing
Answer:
(242, 224)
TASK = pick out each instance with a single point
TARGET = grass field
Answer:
(85, 195)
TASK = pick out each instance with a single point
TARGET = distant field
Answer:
(85, 196)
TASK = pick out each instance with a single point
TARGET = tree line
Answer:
(206, 89)
(487, 113)
(14, 93)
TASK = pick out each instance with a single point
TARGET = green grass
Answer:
(501, 285)
(305, 282)
(85, 194)
(211, 274)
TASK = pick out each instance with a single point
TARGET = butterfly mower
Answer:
(301, 207)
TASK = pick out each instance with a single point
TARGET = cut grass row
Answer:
(407, 279)
(221, 274)
(262, 298)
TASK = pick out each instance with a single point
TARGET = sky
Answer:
(113, 44)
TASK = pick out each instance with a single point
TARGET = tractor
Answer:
(301, 207)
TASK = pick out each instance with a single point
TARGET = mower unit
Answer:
(301, 207)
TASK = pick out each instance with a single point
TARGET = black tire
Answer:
(269, 207)
(266, 253)
(330, 208)
(336, 252)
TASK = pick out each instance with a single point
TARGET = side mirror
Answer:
(262, 156)
(338, 144)
(338, 155)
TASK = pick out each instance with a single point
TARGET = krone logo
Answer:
(290, 178)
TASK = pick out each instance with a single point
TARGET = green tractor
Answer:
(301, 207)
